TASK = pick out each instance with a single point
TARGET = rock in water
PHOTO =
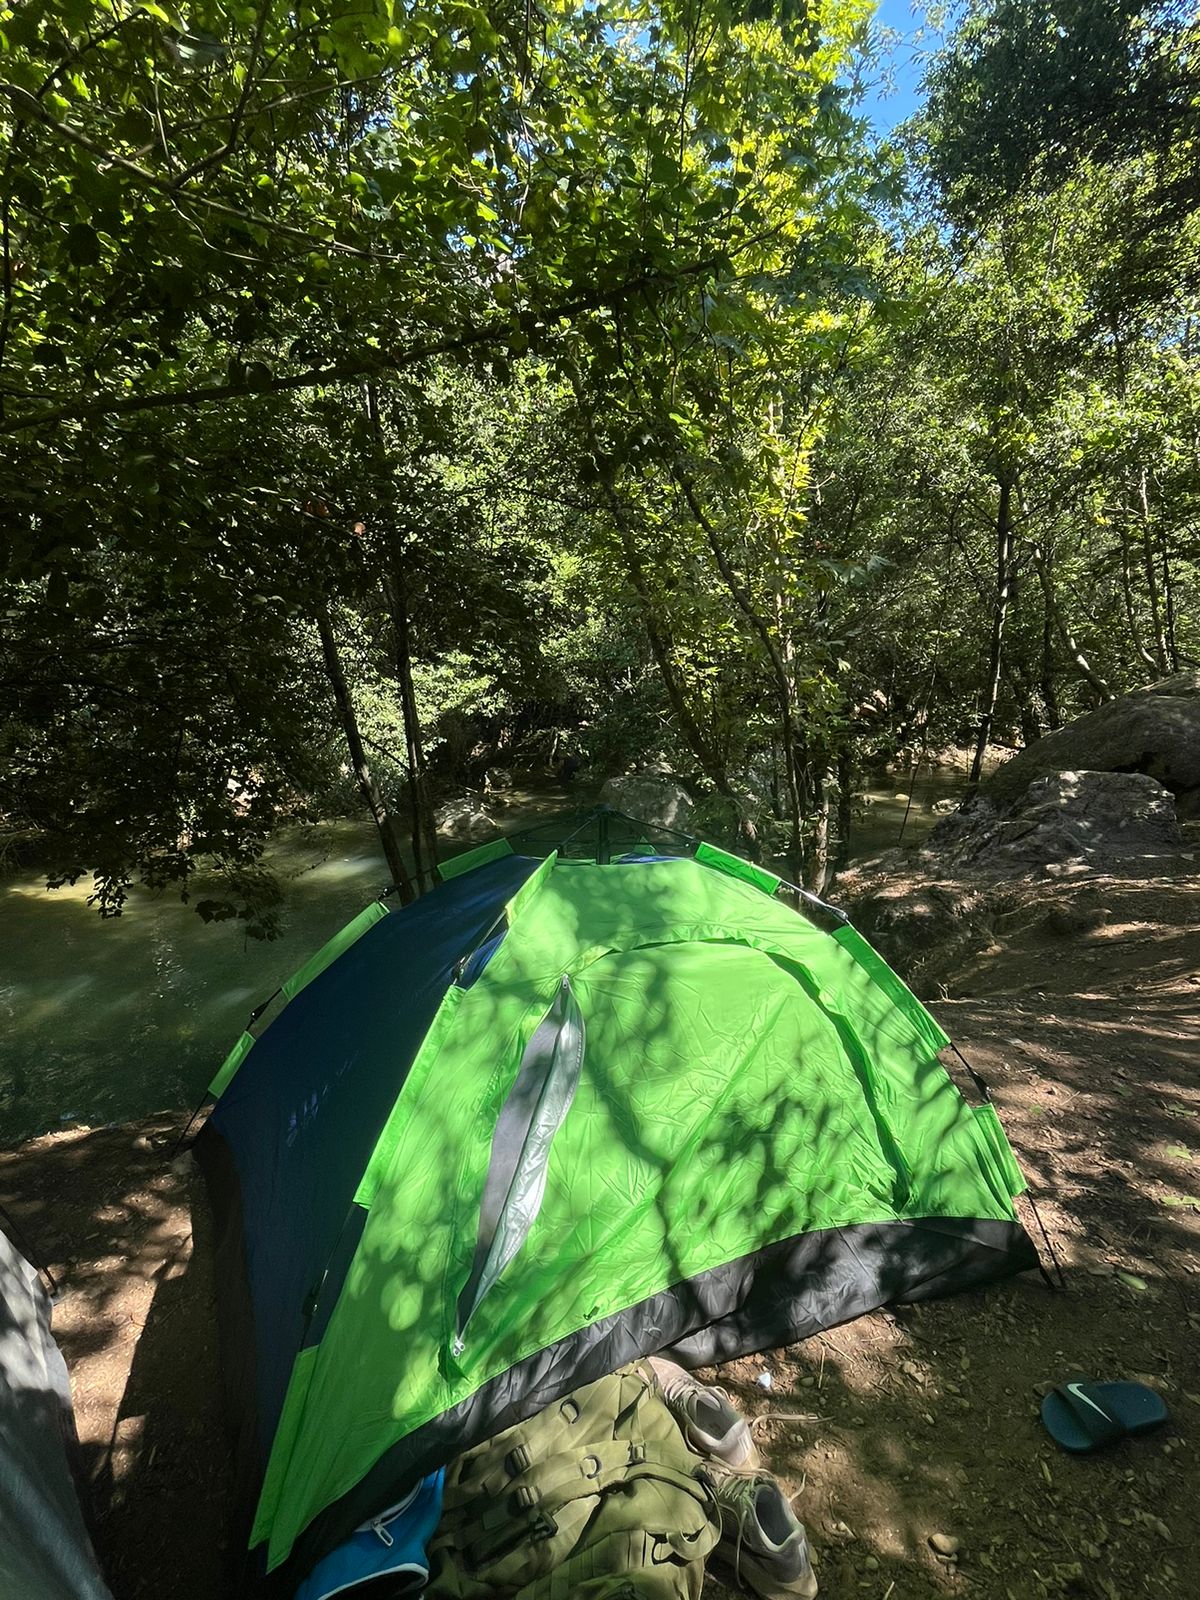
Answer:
(465, 821)
(650, 797)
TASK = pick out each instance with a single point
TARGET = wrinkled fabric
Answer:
(45, 1553)
(749, 1080)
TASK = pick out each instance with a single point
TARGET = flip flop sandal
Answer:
(1082, 1415)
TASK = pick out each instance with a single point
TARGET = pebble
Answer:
(765, 1380)
(945, 1544)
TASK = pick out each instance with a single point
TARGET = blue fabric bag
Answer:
(391, 1545)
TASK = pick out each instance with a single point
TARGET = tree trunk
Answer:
(1168, 589)
(424, 830)
(1079, 660)
(816, 865)
(706, 756)
(1135, 633)
(991, 688)
(1148, 563)
(389, 835)
(1049, 687)
(845, 811)
(1024, 693)
(782, 679)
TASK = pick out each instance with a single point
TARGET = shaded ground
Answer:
(1091, 1042)
(136, 1321)
(890, 1430)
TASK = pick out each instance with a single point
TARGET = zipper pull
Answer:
(385, 1536)
(459, 1345)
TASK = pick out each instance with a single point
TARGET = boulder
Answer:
(1155, 731)
(910, 923)
(496, 779)
(1093, 818)
(650, 797)
(465, 821)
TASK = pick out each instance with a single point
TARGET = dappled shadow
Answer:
(1092, 1041)
(927, 1416)
(136, 1323)
(719, 1112)
(923, 1421)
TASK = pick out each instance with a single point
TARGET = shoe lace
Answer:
(736, 1493)
(678, 1388)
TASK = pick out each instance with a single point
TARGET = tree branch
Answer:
(497, 332)
(27, 106)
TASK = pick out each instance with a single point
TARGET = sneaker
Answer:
(761, 1541)
(709, 1420)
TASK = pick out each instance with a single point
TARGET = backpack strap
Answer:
(527, 1511)
(606, 1466)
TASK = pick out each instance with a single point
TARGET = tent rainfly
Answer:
(557, 1114)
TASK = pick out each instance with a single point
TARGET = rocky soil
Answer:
(910, 1439)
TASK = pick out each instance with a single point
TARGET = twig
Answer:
(239, 111)
(784, 1416)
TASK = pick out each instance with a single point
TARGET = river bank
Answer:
(108, 1020)
(913, 1423)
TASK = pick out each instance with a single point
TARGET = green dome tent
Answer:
(557, 1114)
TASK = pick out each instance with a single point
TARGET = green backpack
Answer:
(595, 1498)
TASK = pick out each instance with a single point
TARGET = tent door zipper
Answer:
(536, 1107)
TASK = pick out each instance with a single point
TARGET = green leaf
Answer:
(1132, 1281)
(83, 244)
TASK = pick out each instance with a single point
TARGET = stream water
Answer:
(103, 1020)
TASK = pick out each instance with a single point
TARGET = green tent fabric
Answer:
(668, 1110)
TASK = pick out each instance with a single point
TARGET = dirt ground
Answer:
(889, 1431)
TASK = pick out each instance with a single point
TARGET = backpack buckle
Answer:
(637, 1453)
(542, 1526)
(518, 1460)
(523, 1498)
